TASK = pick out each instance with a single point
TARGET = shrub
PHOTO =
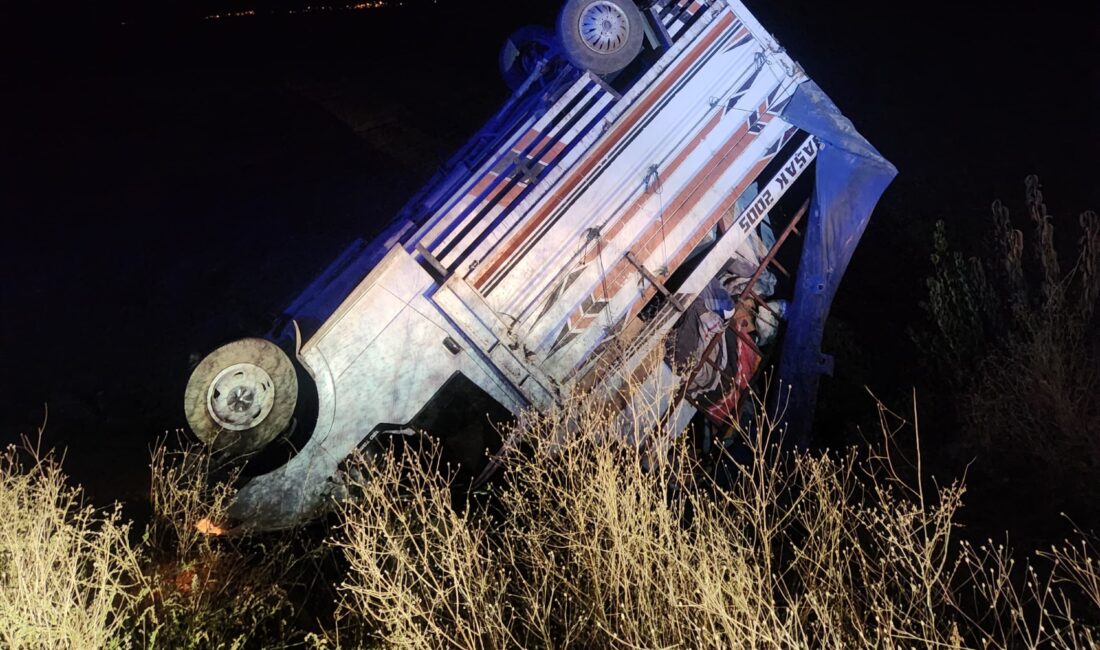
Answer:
(590, 542)
(69, 576)
(210, 589)
(586, 542)
(1017, 339)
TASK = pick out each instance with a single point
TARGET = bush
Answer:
(210, 589)
(593, 543)
(69, 576)
(587, 542)
(1018, 341)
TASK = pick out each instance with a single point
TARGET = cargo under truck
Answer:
(665, 199)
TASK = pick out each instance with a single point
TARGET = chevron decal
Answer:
(579, 321)
(558, 290)
(731, 104)
(754, 123)
(746, 39)
(778, 144)
(778, 108)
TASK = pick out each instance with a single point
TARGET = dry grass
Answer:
(587, 542)
(592, 543)
(69, 577)
(72, 578)
(207, 590)
(421, 573)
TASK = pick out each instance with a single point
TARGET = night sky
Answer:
(168, 183)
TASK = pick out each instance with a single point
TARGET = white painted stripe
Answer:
(473, 237)
(676, 238)
(607, 190)
(437, 224)
(725, 248)
(603, 202)
(622, 108)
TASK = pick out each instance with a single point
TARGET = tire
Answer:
(522, 51)
(241, 396)
(603, 36)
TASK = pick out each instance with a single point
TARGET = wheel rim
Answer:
(241, 397)
(604, 27)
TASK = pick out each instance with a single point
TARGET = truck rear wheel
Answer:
(603, 36)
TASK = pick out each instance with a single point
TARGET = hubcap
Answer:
(604, 27)
(240, 397)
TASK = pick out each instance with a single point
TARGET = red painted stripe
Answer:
(485, 270)
(684, 203)
(701, 232)
(616, 227)
(482, 185)
(670, 169)
(717, 166)
(525, 140)
(616, 277)
(553, 152)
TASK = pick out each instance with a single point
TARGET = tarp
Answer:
(851, 176)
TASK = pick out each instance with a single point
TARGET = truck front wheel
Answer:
(241, 396)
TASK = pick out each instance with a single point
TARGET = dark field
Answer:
(171, 183)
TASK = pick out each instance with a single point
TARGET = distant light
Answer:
(357, 6)
(235, 14)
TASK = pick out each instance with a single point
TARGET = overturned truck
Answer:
(664, 182)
